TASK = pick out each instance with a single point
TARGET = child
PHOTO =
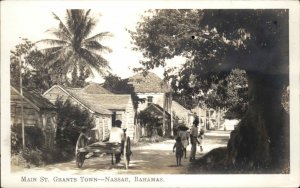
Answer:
(179, 150)
(201, 137)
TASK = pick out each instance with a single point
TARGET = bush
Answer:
(33, 156)
(16, 141)
(18, 160)
(71, 120)
(34, 138)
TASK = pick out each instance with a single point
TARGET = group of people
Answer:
(184, 137)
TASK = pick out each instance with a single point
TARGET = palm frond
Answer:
(94, 60)
(96, 47)
(62, 26)
(54, 42)
(90, 24)
(59, 34)
(62, 55)
(47, 51)
(100, 36)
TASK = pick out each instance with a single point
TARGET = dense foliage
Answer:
(71, 120)
(35, 75)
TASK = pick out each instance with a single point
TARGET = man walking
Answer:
(194, 138)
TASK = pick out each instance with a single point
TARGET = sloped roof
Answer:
(158, 108)
(203, 111)
(149, 83)
(94, 88)
(179, 110)
(107, 101)
(35, 98)
(91, 104)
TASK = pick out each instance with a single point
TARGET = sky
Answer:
(32, 20)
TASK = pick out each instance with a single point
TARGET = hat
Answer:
(182, 128)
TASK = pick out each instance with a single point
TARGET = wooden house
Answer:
(37, 112)
(105, 106)
(102, 117)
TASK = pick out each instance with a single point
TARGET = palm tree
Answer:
(73, 48)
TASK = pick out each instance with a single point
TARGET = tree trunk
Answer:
(261, 141)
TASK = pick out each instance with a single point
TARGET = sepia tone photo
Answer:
(123, 96)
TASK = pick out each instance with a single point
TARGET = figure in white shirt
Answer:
(117, 136)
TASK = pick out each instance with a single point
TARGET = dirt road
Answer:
(156, 158)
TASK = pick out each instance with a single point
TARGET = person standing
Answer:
(184, 135)
(194, 138)
(179, 150)
(117, 136)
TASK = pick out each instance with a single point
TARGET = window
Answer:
(149, 100)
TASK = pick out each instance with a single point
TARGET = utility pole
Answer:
(171, 112)
(22, 108)
(164, 118)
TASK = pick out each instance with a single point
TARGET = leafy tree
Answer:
(35, 75)
(118, 85)
(216, 41)
(74, 48)
(70, 121)
(79, 81)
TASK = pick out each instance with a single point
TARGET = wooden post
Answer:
(205, 118)
(164, 118)
(218, 117)
(171, 101)
(22, 110)
(209, 119)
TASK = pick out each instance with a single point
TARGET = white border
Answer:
(9, 179)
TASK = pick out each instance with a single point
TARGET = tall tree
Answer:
(73, 47)
(216, 41)
(34, 74)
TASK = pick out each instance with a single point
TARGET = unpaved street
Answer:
(156, 158)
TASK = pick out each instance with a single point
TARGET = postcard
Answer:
(150, 93)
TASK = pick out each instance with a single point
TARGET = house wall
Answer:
(129, 114)
(56, 93)
(127, 118)
(44, 119)
(103, 126)
(158, 98)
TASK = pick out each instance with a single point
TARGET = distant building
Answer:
(181, 115)
(152, 89)
(37, 112)
(157, 112)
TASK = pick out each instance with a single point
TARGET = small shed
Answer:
(37, 112)
(157, 111)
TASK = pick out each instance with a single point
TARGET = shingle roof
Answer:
(91, 104)
(158, 108)
(179, 109)
(149, 83)
(107, 101)
(35, 98)
(94, 88)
